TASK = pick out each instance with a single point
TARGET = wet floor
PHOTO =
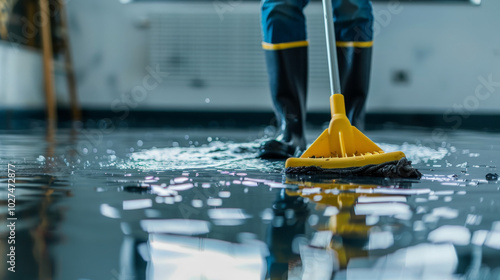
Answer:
(197, 204)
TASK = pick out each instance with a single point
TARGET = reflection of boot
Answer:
(290, 215)
(354, 71)
(287, 70)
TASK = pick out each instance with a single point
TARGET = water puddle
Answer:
(181, 205)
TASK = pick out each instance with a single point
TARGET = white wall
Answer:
(443, 47)
(20, 77)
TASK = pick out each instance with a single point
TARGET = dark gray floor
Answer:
(197, 204)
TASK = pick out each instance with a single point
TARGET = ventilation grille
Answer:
(199, 50)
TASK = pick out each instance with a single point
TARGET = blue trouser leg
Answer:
(353, 20)
(283, 21)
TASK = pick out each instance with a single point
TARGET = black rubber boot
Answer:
(354, 71)
(287, 70)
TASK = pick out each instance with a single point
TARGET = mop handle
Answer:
(331, 47)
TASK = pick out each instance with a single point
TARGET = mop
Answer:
(342, 149)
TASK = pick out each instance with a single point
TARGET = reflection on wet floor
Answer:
(199, 205)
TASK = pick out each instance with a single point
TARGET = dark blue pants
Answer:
(284, 23)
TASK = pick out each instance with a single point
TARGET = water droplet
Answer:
(267, 214)
(313, 220)
(331, 211)
(180, 180)
(372, 220)
(418, 226)
(458, 235)
(137, 204)
(214, 202)
(224, 194)
(197, 203)
(250, 184)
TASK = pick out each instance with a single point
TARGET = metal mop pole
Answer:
(331, 48)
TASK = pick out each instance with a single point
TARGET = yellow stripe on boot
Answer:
(344, 44)
(284, 46)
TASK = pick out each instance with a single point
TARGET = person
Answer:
(285, 45)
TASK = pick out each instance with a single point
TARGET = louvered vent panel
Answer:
(198, 50)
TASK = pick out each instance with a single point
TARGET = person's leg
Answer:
(354, 35)
(285, 46)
